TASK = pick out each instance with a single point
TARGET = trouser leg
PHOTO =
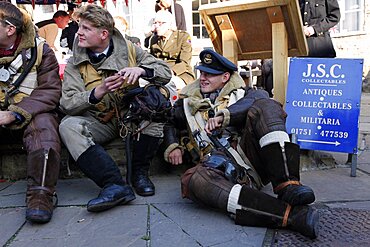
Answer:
(79, 134)
(208, 186)
(275, 158)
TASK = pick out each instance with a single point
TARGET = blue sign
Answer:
(323, 103)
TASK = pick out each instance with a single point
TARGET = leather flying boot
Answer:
(111, 196)
(42, 175)
(141, 182)
(144, 150)
(97, 164)
(282, 167)
(260, 209)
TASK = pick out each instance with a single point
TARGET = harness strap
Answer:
(285, 184)
(15, 85)
(197, 123)
(286, 215)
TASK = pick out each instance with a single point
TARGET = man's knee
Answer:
(70, 125)
(265, 116)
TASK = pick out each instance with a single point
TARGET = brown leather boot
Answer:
(42, 175)
(260, 209)
(282, 167)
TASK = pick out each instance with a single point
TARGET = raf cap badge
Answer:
(207, 58)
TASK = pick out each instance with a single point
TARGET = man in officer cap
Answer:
(237, 138)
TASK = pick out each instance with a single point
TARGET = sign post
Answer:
(323, 103)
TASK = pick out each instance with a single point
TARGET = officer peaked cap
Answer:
(213, 63)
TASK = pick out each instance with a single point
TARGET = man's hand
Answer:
(175, 157)
(308, 31)
(131, 74)
(214, 123)
(109, 85)
(6, 117)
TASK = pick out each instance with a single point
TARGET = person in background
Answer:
(236, 138)
(318, 17)
(69, 33)
(103, 68)
(122, 25)
(175, 9)
(48, 29)
(172, 46)
(30, 94)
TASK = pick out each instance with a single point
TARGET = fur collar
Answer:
(27, 41)
(196, 100)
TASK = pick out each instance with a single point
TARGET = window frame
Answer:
(361, 20)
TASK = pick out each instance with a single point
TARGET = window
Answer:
(352, 16)
(199, 30)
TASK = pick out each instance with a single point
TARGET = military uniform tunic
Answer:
(177, 52)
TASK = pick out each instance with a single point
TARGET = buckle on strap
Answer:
(285, 184)
(49, 191)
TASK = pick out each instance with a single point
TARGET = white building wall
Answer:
(358, 45)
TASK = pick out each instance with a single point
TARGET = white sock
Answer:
(232, 203)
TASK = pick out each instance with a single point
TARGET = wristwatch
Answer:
(18, 117)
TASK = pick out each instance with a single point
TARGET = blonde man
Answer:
(102, 64)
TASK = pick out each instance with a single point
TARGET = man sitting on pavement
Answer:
(29, 95)
(104, 67)
(238, 139)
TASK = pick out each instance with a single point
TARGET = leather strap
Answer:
(285, 184)
(286, 216)
(41, 188)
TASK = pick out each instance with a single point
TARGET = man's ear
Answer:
(226, 77)
(11, 30)
(105, 34)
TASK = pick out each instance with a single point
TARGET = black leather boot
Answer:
(97, 165)
(42, 176)
(144, 150)
(282, 168)
(141, 182)
(260, 209)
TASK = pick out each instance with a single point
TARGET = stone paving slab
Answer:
(335, 185)
(74, 226)
(3, 185)
(364, 168)
(199, 226)
(13, 195)
(167, 190)
(11, 219)
(74, 192)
